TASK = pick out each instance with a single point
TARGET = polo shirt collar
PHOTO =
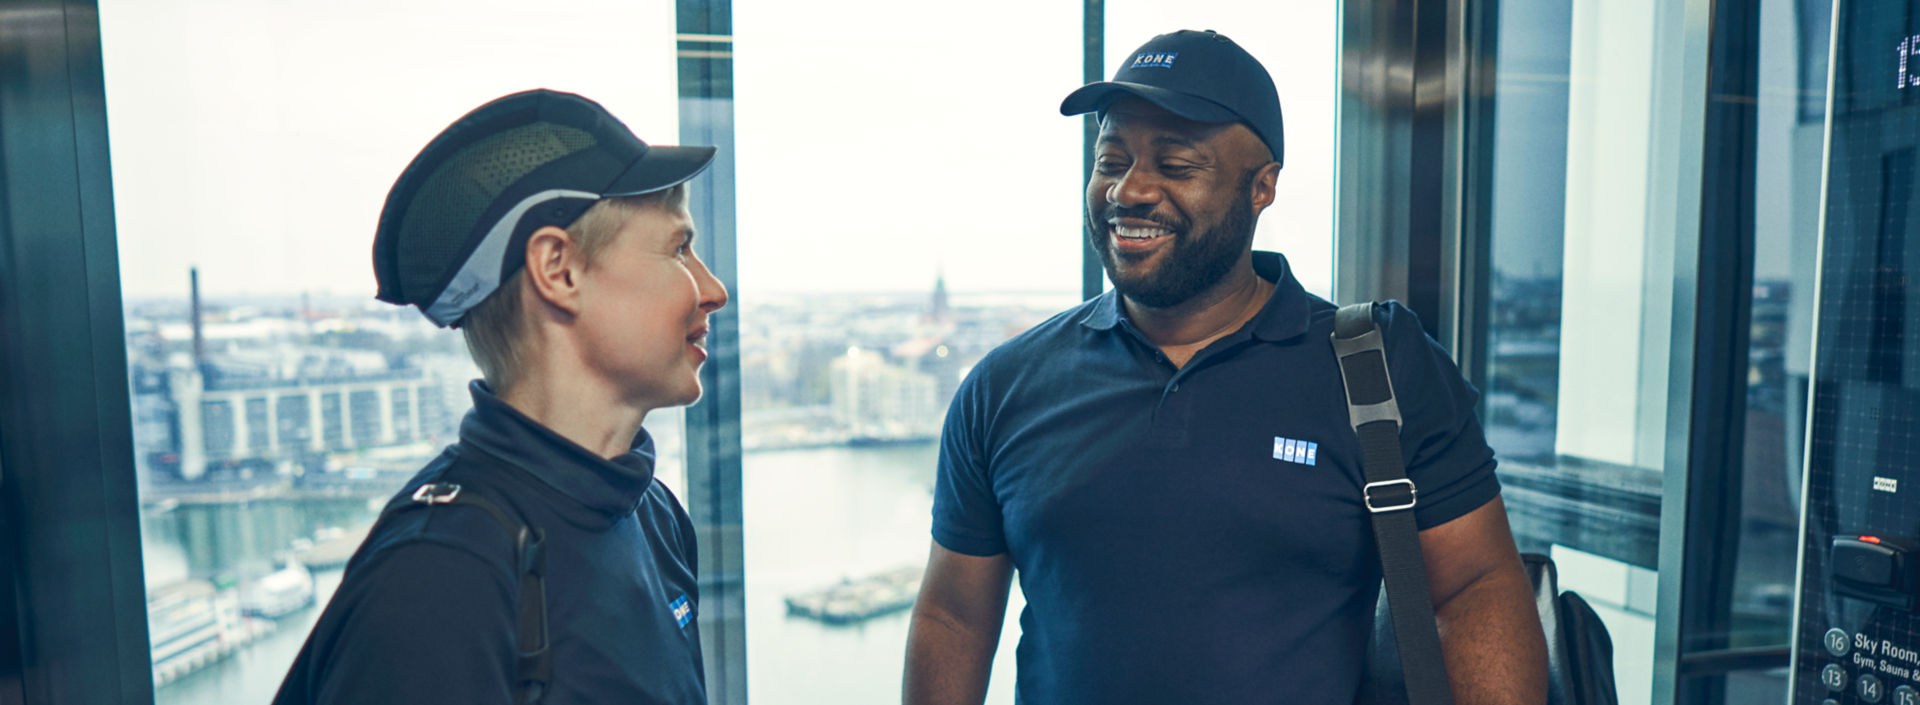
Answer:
(1284, 316)
(1287, 312)
(609, 488)
(1105, 313)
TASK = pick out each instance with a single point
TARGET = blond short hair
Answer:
(495, 328)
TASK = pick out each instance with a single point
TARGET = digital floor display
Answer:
(1858, 635)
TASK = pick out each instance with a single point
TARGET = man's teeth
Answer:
(1127, 233)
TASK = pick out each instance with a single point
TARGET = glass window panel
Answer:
(908, 198)
(256, 143)
(1590, 199)
(1791, 131)
(1298, 43)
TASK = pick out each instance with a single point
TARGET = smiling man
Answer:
(1169, 467)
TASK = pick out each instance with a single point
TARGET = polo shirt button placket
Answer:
(1170, 418)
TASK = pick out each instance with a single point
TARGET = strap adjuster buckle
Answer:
(1409, 500)
(436, 493)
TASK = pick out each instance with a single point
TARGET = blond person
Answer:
(537, 559)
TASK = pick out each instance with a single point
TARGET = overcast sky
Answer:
(878, 142)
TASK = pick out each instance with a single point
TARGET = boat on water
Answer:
(856, 600)
(280, 593)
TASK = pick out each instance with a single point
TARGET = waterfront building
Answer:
(879, 401)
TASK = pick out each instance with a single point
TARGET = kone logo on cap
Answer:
(1155, 59)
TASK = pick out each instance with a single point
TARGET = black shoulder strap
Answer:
(1390, 497)
(533, 665)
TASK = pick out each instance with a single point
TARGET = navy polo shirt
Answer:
(1194, 534)
(426, 611)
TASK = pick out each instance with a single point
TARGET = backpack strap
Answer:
(1390, 496)
(533, 657)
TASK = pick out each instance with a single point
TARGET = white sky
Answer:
(878, 142)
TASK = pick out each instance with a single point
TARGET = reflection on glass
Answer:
(1529, 201)
(1581, 292)
(1790, 124)
(275, 405)
(1576, 366)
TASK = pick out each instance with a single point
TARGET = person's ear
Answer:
(553, 268)
(1264, 186)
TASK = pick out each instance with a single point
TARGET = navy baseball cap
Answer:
(457, 220)
(1200, 76)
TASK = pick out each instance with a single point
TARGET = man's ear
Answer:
(553, 268)
(1264, 180)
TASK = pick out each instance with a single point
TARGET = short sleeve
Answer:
(425, 622)
(966, 513)
(1446, 451)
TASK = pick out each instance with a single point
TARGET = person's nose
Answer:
(1138, 186)
(713, 294)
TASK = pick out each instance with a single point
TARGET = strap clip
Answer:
(1406, 501)
(436, 493)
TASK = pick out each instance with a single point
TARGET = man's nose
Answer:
(1135, 187)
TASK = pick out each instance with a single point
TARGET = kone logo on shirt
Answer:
(682, 610)
(1295, 451)
(1155, 59)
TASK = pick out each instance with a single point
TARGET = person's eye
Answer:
(1110, 167)
(1178, 170)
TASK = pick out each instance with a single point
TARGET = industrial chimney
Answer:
(199, 342)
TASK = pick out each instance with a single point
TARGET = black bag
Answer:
(1407, 667)
(533, 665)
(1579, 651)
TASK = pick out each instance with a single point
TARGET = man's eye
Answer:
(1109, 167)
(1178, 169)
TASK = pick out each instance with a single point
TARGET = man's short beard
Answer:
(1193, 265)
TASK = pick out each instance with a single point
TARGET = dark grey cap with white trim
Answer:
(456, 222)
(1202, 76)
